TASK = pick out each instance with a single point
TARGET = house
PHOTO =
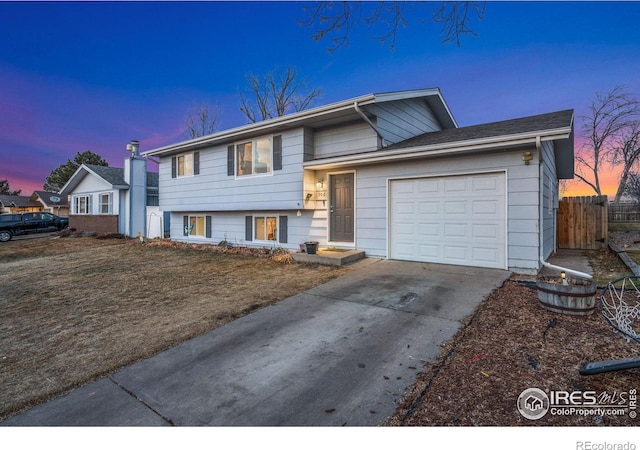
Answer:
(52, 202)
(18, 204)
(391, 174)
(114, 200)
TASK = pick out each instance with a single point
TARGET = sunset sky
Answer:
(93, 75)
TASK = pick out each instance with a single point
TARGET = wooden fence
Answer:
(624, 212)
(583, 222)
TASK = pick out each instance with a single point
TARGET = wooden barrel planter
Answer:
(578, 298)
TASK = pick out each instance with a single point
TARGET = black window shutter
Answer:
(185, 227)
(282, 231)
(196, 163)
(208, 226)
(174, 169)
(248, 228)
(230, 171)
(277, 152)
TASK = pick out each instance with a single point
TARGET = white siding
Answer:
(404, 119)
(522, 203)
(230, 227)
(93, 187)
(345, 140)
(549, 198)
(214, 190)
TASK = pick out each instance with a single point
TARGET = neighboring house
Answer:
(52, 202)
(18, 204)
(112, 200)
(391, 174)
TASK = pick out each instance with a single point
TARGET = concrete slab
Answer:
(330, 258)
(340, 354)
(99, 403)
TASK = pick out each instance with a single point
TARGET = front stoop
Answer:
(329, 258)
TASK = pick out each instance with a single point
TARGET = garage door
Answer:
(450, 220)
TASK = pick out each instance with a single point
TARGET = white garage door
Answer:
(450, 220)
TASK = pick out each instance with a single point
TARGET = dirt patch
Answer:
(75, 309)
(510, 344)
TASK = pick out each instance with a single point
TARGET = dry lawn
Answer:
(510, 344)
(75, 309)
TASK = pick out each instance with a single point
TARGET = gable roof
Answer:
(18, 201)
(556, 126)
(334, 113)
(49, 199)
(112, 175)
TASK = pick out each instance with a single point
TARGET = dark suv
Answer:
(31, 222)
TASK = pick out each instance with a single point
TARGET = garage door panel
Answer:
(484, 207)
(455, 230)
(429, 251)
(456, 220)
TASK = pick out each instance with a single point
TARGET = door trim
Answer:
(355, 209)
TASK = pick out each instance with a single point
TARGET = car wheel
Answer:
(5, 236)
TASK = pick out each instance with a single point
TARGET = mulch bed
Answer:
(510, 344)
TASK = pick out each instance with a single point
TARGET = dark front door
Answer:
(341, 207)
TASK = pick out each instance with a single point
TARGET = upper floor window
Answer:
(185, 165)
(253, 157)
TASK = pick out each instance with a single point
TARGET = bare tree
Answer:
(274, 95)
(336, 20)
(626, 153)
(201, 121)
(610, 116)
(632, 187)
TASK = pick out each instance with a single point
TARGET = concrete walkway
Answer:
(342, 353)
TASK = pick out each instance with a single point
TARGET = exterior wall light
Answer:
(319, 184)
(526, 157)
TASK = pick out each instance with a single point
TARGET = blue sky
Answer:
(93, 75)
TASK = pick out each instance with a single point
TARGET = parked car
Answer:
(28, 223)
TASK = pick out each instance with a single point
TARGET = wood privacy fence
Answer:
(583, 222)
(624, 212)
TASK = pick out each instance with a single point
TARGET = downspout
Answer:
(366, 119)
(541, 220)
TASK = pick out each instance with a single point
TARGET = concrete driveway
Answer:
(339, 354)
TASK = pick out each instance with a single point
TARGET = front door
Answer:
(341, 210)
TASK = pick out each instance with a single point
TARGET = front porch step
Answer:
(330, 258)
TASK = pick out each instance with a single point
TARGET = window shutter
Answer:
(248, 228)
(208, 226)
(174, 169)
(185, 225)
(282, 229)
(277, 152)
(230, 171)
(196, 163)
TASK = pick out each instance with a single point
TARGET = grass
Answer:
(75, 309)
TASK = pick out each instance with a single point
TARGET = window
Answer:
(266, 228)
(82, 204)
(253, 157)
(197, 226)
(105, 203)
(185, 165)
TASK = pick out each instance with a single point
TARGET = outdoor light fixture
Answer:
(563, 275)
(319, 184)
(526, 157)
